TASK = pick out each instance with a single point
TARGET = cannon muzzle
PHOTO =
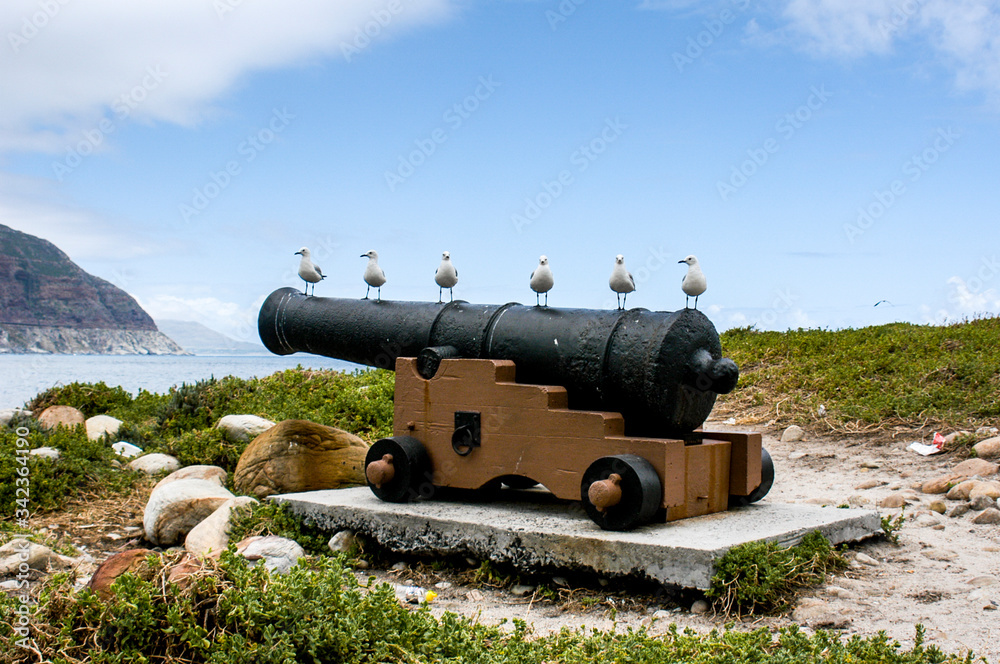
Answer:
(660, 370)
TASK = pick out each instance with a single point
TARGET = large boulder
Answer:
(175, 508)
(197, 472)
(298, 455)
(154, 463)
(241, 428)
(212, 534)
(99, 426)
(61, 416)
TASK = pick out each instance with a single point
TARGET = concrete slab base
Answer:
(531, 530)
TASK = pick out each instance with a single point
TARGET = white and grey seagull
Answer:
(374, 276)
(693, 284)
(309, 271)
(621, 281)
(542, 280)
(446, 276)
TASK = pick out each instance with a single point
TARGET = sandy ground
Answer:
(945, 572)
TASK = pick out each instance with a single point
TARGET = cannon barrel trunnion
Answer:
(599, 406)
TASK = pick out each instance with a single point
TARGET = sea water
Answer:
(24, 376)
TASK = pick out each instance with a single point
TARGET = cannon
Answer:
(604, 407)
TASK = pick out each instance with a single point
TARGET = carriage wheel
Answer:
(766, 481)
(398, 470)
(621, 492)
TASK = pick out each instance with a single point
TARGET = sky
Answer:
(817, 156)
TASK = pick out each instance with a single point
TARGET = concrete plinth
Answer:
(530, 530)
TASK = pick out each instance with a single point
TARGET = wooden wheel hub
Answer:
(381, 472)
(606, 493)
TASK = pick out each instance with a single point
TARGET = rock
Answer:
(925, 521)
(955, 435)
(99, 426)
(840, 593)
(61, 416)
(865, 559)
(174, 509)
(959, 510)
(941, 484)
(560, 581)
(443, 585)
(982, 502)
(298, 455)
(241, 428)
(988, 449)
(521, 590)
(699, 607)
(126, 449)
(212, 534)
(976, 467)
(8, 415)
(868, 484)
(989, 516)
(400, 567)
(795, 456)
(133, 560)
(818, 614)
(961, 490)
(22, 551)
(342, 541)
(46, 453)
(987, 431)
(154, 463)
(212, 474)
(943, 555)
(982, 581)
(871, 465)
(988, 489)
(181, 574)
(893, 501)
(938, 506)
(278, 553)
(792, 434)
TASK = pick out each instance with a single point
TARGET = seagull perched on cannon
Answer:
(693, 284)
(446, 276)
(374, 276)
(621, 281)
(309, 271)
(542, 280)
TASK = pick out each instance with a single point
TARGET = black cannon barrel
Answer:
(661, 370)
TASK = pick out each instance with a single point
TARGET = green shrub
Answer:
(201, 446)
(761, 576)
(89, 399)
(269, 518)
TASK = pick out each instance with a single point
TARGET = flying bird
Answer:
(374, 276)
(621, 281)
(542, 280)
(446, 276)
(693, 284)
(308, 270)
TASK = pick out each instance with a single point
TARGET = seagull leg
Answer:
(624, 300)
(378, 298)
(366, 293)
(546, 298)
(451, 294)
(695, 301)
(440, 290)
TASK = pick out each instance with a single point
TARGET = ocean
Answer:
(24, 376)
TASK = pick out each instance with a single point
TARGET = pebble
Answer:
(443, 585)
(474, 596)
(521, 590)
(938, 526)
(943, 555)
(603, 582)
(988, 449)
(560, 581)
(400, 567)
(871, 465)
(471, 562)
(925, 521)
(982, 581)
(661, 615)
(342, 541)
(858, 501)
(980, 503)
(990, 516)
(865, 559)
(792, 434)
(893, 501)
(868, 484)
(700, 607)
(841, 593)
(959, 510)
(796, 455)
(938, 506)
(361, 564)
(940, 484)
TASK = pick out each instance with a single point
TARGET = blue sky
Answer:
(818, 156)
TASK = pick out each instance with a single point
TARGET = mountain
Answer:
(201, 340)
(48, 304)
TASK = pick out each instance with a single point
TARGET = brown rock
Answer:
(893, 501)
(938, 506)
(198, 472)
(989, 489)
(959, 510)
(133, 560)
(989, 516)
(298, 455)
(973, 467)
(982, 502)
(941, 484)
(61, 416)
(183, 572)
(988, 449)
(961, 490)
(176, 507)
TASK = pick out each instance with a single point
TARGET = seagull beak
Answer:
(298, 253)
(680, 261)
(363, 256)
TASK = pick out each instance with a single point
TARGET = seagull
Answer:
(308, 270)
(621, 281)
(446, 276)
(693, 284)
(374, 276)
(884, 301)
(541, 280)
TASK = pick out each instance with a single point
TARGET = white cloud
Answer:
(67, 64)
(229, 318)
(843, 27)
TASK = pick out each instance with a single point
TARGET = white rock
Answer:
(174, 509)
(151, 464)
(242, 428)
(841, 593)
(342, 541)
(982, 581)
(865, 559)
(102, 425)
(699, 607)
(792, 434)
(400, 567)
(521, 590)
(126, 449)
(46, 453)
(794, 456)
(21, 551)
(279, 554)
(212, 474)
(443, 585)
(212, 534)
